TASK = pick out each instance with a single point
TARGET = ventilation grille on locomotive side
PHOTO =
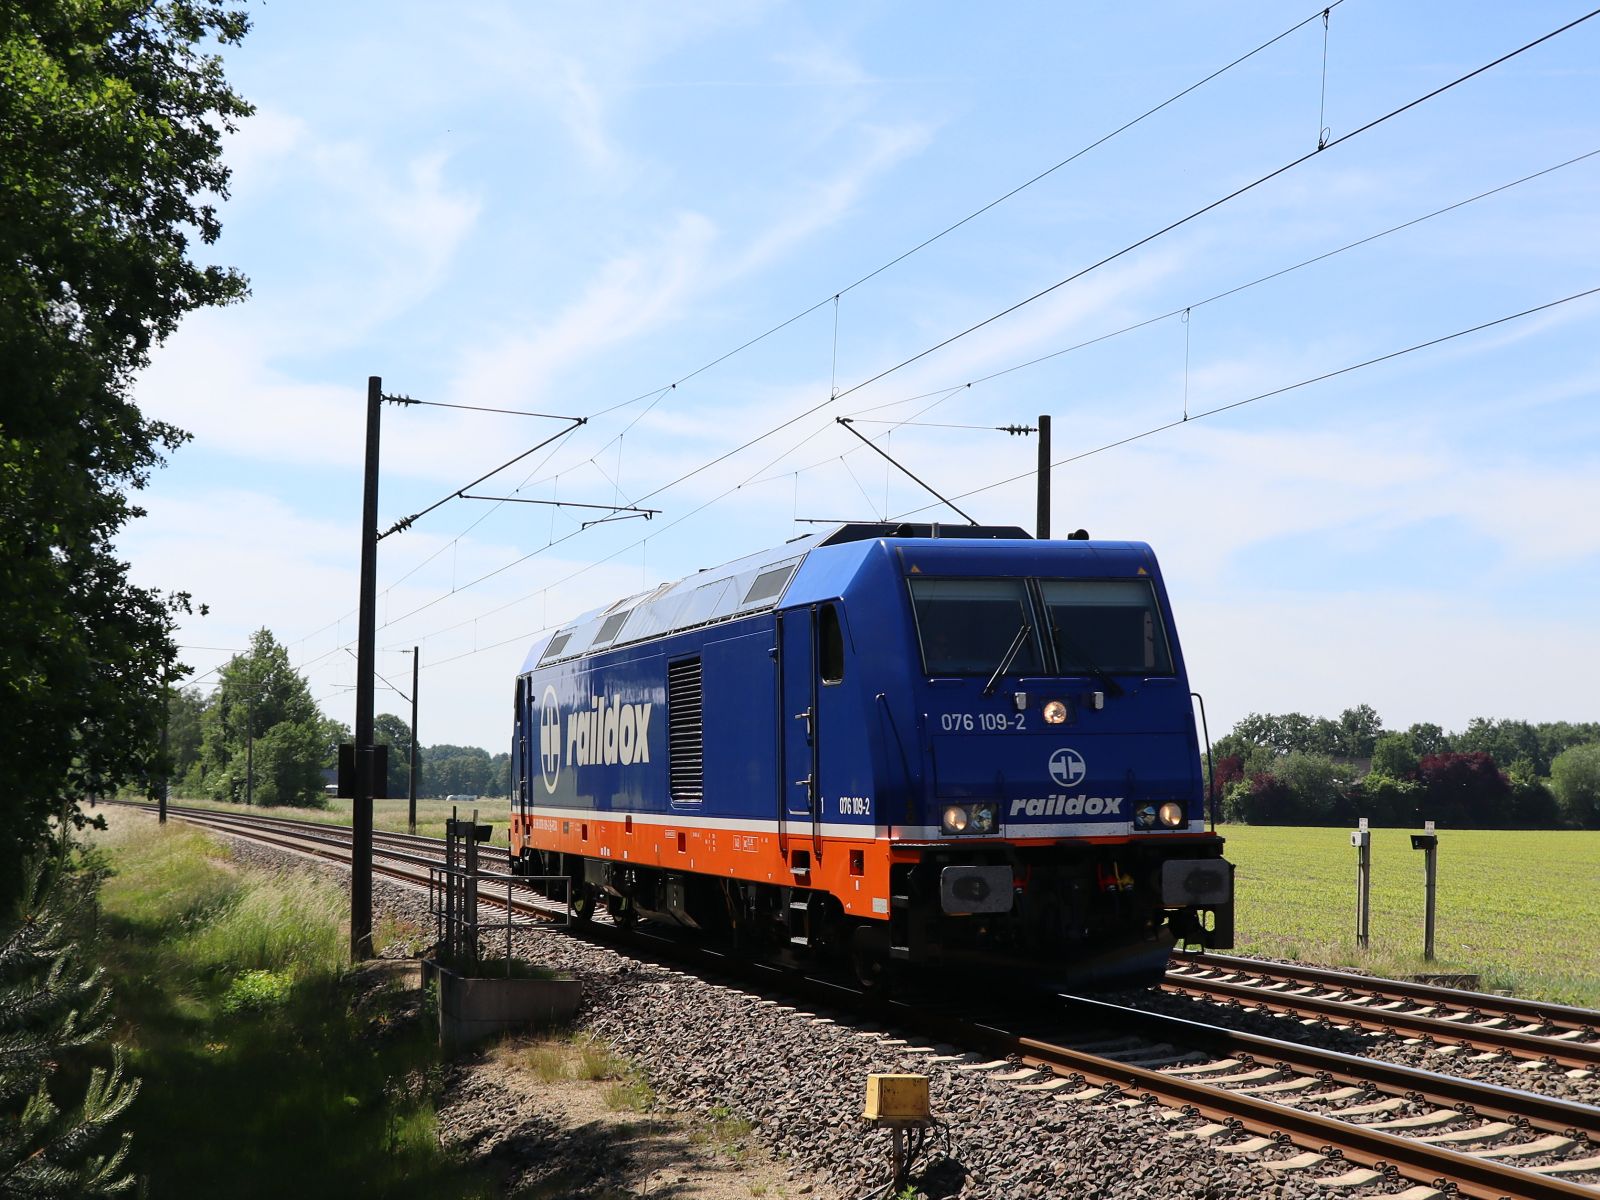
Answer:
(685, 733)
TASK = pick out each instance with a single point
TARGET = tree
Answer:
(1575, 779)
(263, 717)
(1386, 800)
(500, 775)
(1465, 791)
(1229, 771)
(1392, 756)
(1358, 731)
(1428, 739)
(456, 771)
(1556, 736)
(1505, 741)
(1533, 805)
(53, 1006)
(111, 120)
(1263, 799)
(1314, 784)
(185, 730)
(389, 730)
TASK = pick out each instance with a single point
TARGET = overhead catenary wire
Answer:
(1278, 391)
(1021, 187)
(657, 394)
(1144, 241)
(1233, 195)
(1117, 443)
(406, 522)
(1125, 250)
(897, 465)
(945, 393)
(601, 561)
(394, 583)
(1231, 291)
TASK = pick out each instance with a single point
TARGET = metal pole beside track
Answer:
(1361, 839)
(250, 748)
(1043, 516)
(1428, 842)
(361, 806)
(411, 787)
(166, 762)
(1431, 860)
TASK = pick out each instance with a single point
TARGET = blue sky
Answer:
(563, 208)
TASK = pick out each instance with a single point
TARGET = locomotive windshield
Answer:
(1103, 625)
(968, 625)
(1099, 627)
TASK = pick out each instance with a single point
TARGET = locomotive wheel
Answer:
(869, 959)
(623, 910)
(583, 904)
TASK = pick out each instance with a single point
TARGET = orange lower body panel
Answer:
(855, 870)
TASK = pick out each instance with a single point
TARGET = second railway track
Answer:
(1553, 1035)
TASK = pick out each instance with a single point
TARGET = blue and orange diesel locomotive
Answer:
(883, 743)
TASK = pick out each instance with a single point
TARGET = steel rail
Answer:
(298, 823)
(1513, 1007)
(1539, 1111)
(1473, 1176)
(1581, 1055)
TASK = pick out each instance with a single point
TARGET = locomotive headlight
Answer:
(1055, 713)
(1145, 817)
(971, 818)
(1172, 814)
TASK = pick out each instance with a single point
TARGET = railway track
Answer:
(1454, 1021)
(1346, 1121)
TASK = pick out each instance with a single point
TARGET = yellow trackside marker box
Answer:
(897, 1098)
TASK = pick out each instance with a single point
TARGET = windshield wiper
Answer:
(1110, 684)
(1016, 646)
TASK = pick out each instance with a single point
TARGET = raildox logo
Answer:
(1067, 767)
(608, 733)
(550, 739)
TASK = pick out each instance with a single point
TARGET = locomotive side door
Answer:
(799, 749)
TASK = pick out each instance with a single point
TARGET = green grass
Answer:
(268, 1067)
(726, 1133)
(553, 1059)
(1518, 908)
(386, 814)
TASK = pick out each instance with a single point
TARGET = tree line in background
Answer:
(1291, 769)
(260, 738)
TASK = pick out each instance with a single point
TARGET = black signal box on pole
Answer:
(376, 760)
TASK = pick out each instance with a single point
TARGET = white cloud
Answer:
(631, 294)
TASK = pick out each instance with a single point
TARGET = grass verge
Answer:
(269, 1068)
(1513, 906)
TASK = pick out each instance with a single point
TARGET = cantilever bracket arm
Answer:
(846, 422)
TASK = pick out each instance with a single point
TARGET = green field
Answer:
(1521, 908)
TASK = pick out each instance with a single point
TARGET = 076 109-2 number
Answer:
(989, 722)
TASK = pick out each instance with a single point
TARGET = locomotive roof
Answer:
(755, 583)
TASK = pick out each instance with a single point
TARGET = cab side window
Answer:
(830, 645)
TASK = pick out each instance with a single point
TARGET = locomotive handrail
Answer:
(1211, 770)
